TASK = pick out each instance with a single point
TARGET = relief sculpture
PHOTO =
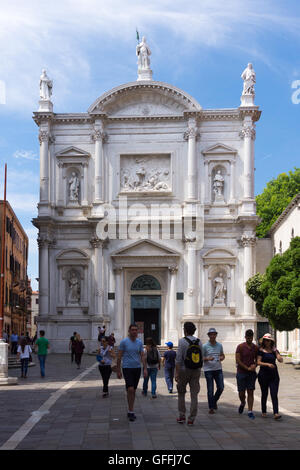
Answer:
(145, 174)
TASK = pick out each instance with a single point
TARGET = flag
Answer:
(137, 35)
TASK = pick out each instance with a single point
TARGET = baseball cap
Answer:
(169, 344)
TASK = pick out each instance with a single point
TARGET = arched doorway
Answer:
(146, 308)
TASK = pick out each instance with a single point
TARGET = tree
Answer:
(275, 198)
(277, 292)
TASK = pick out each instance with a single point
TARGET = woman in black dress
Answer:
(268, 376)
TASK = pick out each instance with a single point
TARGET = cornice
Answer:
(294, 203)
(252, 111)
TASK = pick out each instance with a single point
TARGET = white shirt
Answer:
(26, 353)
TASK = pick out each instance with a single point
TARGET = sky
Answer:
(200, 46)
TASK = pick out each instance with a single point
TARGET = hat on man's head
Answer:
(169, 344)
(212, 330)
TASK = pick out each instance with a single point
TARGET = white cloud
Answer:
(26, 154)
(59, 35)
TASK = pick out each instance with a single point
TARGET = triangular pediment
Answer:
(218, 149)
(72, 152)
(71, 255)
(145, 248)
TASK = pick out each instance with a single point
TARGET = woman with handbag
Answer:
(24, 353)
(104, 357)
(78, 348)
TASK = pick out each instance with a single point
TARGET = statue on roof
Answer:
(249, 78)
(143, 52)
(45, 86)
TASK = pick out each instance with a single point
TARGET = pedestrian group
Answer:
(134, 360)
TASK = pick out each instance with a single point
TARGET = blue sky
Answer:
(200, 46)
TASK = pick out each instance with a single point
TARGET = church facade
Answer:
(146, 215)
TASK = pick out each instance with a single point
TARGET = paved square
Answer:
(66, 411)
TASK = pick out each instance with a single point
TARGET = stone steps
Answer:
(14, 363)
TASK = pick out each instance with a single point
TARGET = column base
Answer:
(8, 380)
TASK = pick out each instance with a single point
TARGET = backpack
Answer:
(193, 358)
(152, 356)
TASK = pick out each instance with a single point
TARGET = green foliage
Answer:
(277, 292)
(275, 198)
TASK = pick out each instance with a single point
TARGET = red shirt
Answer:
(248, 356)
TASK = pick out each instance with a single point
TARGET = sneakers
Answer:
(154, 396)
(190, 422)
(211, 412)
(251, 415)
(181, 420)
(241, 408)
(131, 416)
(105, 394)
(170, 391)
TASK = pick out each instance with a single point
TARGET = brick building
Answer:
(16, 284)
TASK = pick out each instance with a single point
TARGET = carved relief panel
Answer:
(147, 173)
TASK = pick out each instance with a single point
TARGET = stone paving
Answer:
(79, 418)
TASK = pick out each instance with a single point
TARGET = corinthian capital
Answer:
(99, 134)
(247, 240)
(248, 131)
(44, 136)
(173, 269)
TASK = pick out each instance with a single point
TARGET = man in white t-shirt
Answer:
(213, 355)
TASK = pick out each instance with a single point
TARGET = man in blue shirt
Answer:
(169, 364)
(213, 355)
(131, 354)
(14, 339)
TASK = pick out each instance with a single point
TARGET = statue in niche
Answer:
(143, 52)
(218, 186)
(74, 289)
(74, 188)
(249, 78)
(220, 289)
(45, 86)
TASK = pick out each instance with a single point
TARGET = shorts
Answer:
(246, 381)
(132, 377)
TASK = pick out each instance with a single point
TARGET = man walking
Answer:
(14, 339)
(43, 345)
(213, 355)
(246, 356)
(131, 354)
(188, 369)
(72, 345)
(169, 365)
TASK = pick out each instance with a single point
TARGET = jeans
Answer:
(105, 372)
(24, 366)
(42, 359)
(211, 376)
(266, 382)
(169, 377)
(152, 373)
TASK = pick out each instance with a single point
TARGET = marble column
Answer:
(207, 184)
(190, 136)
(44, 165)
(119, 310)
(248, 241)
(232, 182)
(98, 275)
(99, 137)
(84, 201)
(192, 276)
(248, 134)
(43, 243)
(172, 334)
(60, 185)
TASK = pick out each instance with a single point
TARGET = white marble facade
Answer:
(141, 147)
